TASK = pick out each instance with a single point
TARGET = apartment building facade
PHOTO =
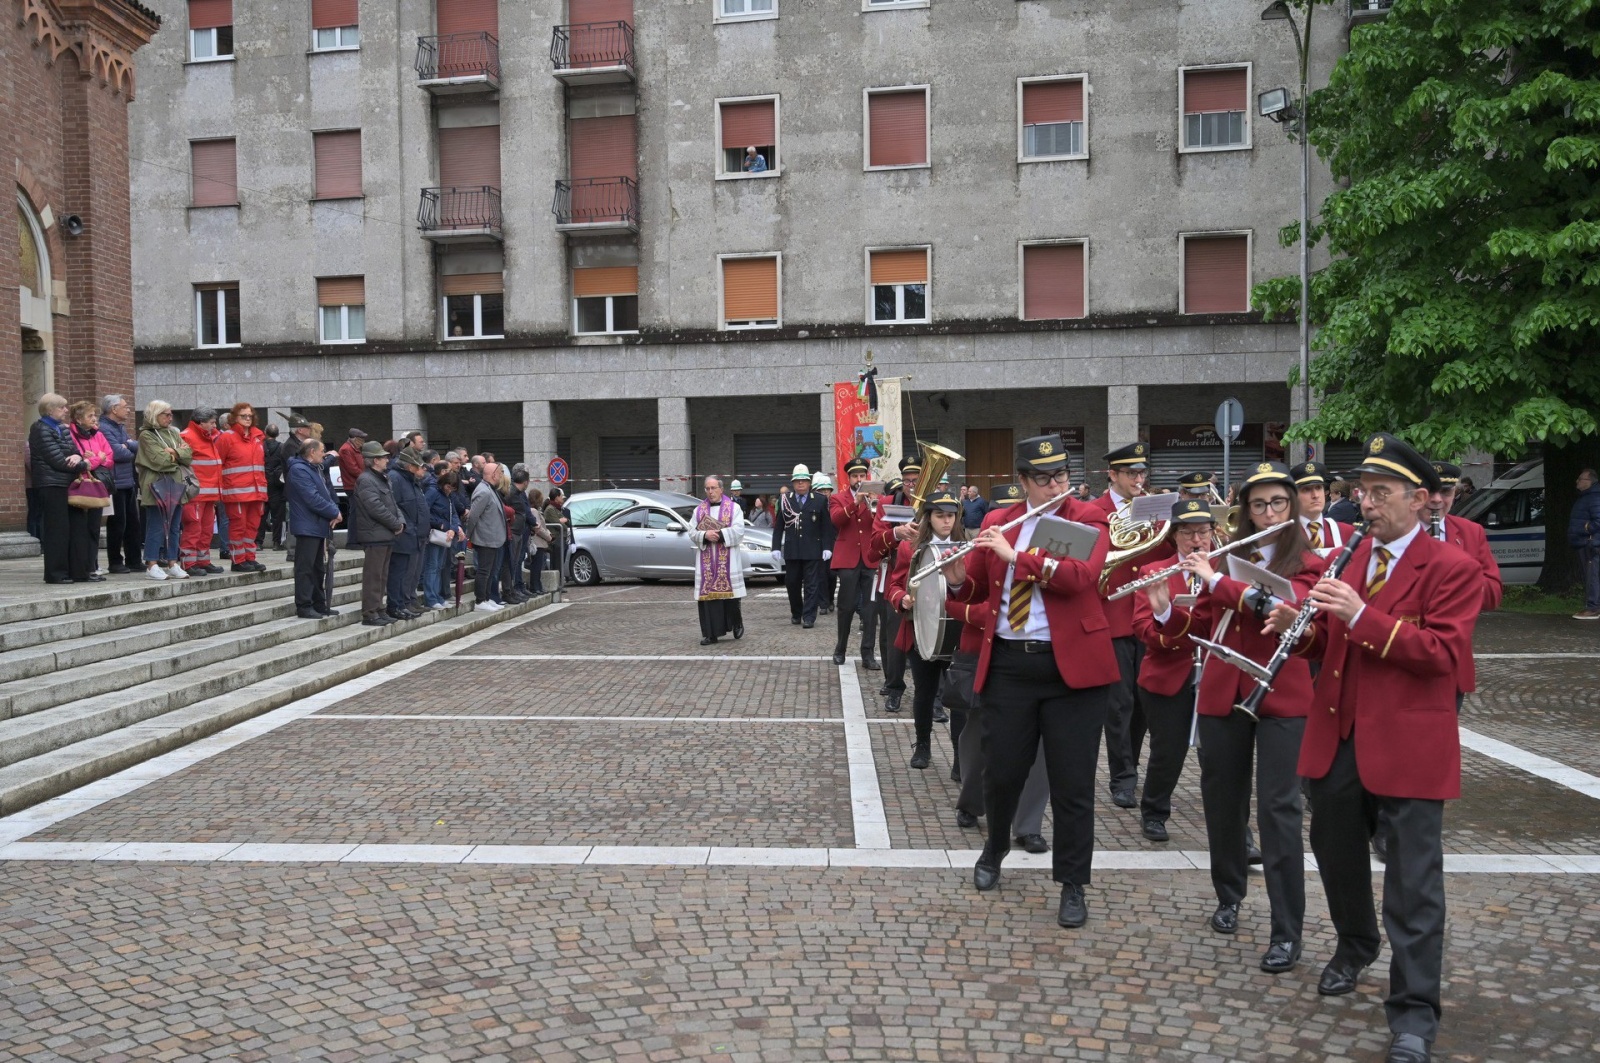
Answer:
(540, 228)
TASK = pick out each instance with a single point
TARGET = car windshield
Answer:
(686, 512)
(1480, 502)
(589, 512)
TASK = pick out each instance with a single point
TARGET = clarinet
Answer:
(1251, 705)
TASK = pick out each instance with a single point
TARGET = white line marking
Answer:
(625, 657)
(1533, 656)
(866, 800)
(559, 719)
(1543, 767)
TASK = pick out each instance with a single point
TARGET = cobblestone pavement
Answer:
(604, 724)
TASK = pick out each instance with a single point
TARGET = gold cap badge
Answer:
(1265, 466)
(1047, 447)
(1377, 445)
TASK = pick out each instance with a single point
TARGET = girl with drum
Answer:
(929, 638)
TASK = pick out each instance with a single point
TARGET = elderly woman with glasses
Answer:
(55, 463)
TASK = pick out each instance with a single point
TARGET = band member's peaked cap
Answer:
(944, 502)
(910, 464)
(1311, 472)
(857, 465)
(1193, 511)
(1133, 457)
(1269, 472)
(1389, 455)
(1005, 495)
(1449, 473)
(1042, 454)
(1194, 481)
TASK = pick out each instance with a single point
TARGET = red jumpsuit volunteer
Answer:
(200, 514)
(243, 484)
(1383, 740)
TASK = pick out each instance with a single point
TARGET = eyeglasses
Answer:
(1276, 505)
(1045, 479)
(1380, 495)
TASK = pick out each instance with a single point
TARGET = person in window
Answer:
(754, 161)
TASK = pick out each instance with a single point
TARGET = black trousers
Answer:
(926, 676)
(125, 529)
(1025, 702)
(1343, 815)
(311, 574)
(56, 529)
(1125, 720)
(830, 587)
(273, 518)
(894, 661)
(803, 580)
(83, 541)
(402, 579)
(855, 584)
(1168, 717)
(1231, 743)
(485, 573)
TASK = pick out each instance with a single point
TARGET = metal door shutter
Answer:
(507, 451)
(580, 12)
(604, 147)
(1340, 457)
(630, 461)
(1169, 464)
(468, 16)
(763, 462)
(469, 157)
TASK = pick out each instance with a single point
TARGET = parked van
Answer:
(1511, 511)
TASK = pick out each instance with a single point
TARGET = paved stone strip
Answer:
(1543, 767)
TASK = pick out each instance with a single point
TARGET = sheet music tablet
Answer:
(1151, 508)
(1246, 572)
(1062, 538)
(897, 514)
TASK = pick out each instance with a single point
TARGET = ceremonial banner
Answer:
(858, 431)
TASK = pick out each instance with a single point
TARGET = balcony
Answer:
(593, 53)
(1367, 10)
(597, 206)
(460, 215)
(459, 63)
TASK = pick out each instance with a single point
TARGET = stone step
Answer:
(35, 622)
(17, 544)
(208, 701)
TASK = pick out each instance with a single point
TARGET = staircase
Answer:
(104, 676)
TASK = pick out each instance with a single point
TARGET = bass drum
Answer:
(937, 633)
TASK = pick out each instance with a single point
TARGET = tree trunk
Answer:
(1561, 467)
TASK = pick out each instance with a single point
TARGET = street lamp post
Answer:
(1276, 105)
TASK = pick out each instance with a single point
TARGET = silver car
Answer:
(622, 534)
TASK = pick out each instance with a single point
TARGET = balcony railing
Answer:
(1368, 9)
(593, 52)
(448, 214)
(459, 61)
(597, 204)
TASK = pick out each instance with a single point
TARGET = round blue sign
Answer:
(557, 471)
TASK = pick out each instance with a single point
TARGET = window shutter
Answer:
(900, 267)
(749, 289)
(744, 124)
(338, 164)
(580, 12)
(341, 291)
(1052, 101)
(330, 14)
(606, 280)
(469, 157)
(1208, 91)
(1216, 275)
(1052, 281)
(216, 174)
(897, 125)
(467, 16)
(604, 147)
(209, 14)
(472, 284)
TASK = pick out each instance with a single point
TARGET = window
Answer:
(897, 128)
(874, 5)
(898, 289)
(342, 309)
(589, 512)
(334, 25)
(210, 30)
(745, 10)
(605, 300)
(474, 306)
(1215, 105)
(750, 292)
(1053, 281)
(1216, 273)
(338, 164)
(745, 124)
(216, 315)
(1052, 116)
(214, 171)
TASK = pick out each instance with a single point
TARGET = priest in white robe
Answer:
(716, 531)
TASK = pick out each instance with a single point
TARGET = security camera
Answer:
(72, 225)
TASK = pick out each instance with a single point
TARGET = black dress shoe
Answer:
(1074, 910)
(376, 620)
(1123, 798)
(1252, 851)
(986, 872)
(707, 641)
(1033, 843)
(883, 691)
(920, 756)
(808, 623)
(1339, 977)
(838, 658)
(1281, 956)
(216, 570)
(939, 715)
(119, 570)
(1154, 829)
(892, 704)
(1380, 845)
(794, 620)
(955, 771)
(329, 612)
(308, 614)
(1409, 1048)
(965, 820)
(870, 663)
(738, 631)
(94, 577)
(1225, 920)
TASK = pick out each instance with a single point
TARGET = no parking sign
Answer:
(556, 471)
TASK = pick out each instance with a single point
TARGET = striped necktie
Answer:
(1380, 575)
(1315, 530)
(1018, 605)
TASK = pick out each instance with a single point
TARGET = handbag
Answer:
(86, 492)
(191, 485)
(438, 537)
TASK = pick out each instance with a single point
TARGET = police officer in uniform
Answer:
(853, 512)
(802, 536)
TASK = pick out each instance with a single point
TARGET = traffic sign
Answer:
(1230, 420)
(556, 471)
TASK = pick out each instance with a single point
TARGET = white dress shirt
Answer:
(1038, 625)
(1396, 549)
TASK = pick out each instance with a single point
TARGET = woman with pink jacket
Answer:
(84, 549)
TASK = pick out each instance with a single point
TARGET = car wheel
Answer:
(584, 571)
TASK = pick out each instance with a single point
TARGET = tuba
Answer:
(936, 461)
(1130, 540)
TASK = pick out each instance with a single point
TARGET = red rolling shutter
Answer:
(604, 147)
(209, 14)
(1216, 275)
(330, 14)
(1208, 91)
(1052, 101)
(900, 267)
(744, 124)
(341, 291)
(1052, 281)
(749, 289)
(605, 280)
(469, 157)
(338, 164)
(214, 166)
(897, 124)
(467, 16)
